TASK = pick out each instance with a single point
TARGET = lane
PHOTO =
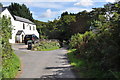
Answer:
(43, 64)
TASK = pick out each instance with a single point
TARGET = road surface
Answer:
(43, 64)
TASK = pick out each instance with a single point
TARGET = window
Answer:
(33, 27)
(30, 27)
(23, 26)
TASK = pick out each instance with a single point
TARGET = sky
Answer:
(48, 10)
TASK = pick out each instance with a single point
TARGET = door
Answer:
(22, 38)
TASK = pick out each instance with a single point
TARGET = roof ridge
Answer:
(23, 19)
(18, 18)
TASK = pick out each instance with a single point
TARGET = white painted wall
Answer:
(7, 13)
(18, 25)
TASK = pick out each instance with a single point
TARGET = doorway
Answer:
(22, 38)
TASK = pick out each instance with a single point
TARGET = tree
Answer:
(64, 13)
(101, 49)
(41, 28)
(60, 29)
(20, 10)
(1, 5)
(81, 24)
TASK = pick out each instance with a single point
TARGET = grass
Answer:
(0, 71)
(73, 60)
(46, 46)
(79, 67)
(0, 65)
(11, 67)
(50, 49)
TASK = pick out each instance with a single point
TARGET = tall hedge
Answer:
(99, 49)
(10, 62)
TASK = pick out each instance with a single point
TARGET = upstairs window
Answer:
(23, 26)
(33, 27)
(30, 27)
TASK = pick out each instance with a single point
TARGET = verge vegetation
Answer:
(97, 53)
(10, 62)
(46, 45)
(94, 36)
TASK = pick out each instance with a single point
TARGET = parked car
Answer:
(32, 37)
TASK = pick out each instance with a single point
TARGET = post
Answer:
(29, 44)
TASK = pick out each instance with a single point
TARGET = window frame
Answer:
(23, 26)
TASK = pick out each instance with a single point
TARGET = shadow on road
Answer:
(55, 67)
(62, 73)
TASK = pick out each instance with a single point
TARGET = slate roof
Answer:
(22, 19)
(19, 32)
(2, 9)
(17, 18)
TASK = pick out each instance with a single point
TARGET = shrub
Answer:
(99, 51)
(46, 45)
(10, 62)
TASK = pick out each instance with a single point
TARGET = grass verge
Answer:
(81, 71)
(50, 49)
(46, 46)
(10, 66)
(75, 62)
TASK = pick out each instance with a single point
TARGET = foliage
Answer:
(10, 62)
(41, 28)
(74, 61)
(20, 10)
(46, 45)
(60, 29)
(100, 50)
(1, 5)
(10, 66)
(0, 55)
(64, 27)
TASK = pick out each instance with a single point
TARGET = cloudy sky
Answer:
(45, 10)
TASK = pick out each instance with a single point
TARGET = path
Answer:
(43, 64)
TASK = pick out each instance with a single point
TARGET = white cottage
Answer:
(21, 26)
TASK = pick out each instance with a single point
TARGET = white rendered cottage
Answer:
(21, 26)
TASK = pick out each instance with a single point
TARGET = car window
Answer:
(36, 37)
(31, 36)
(28, 36)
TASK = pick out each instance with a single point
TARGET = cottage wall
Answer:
(7, 13)
(18, 25)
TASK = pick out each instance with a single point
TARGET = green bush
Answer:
(46, 45)
(10, 62)
(99, 51)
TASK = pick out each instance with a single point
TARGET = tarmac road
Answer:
(43, 64)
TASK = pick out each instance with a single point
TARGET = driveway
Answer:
(43, 64)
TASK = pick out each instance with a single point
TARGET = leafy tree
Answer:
(20, 10)
(1, 5)
(82, 23)
(64, 13)
(100, 52)
(67, 25)
(42, 29)
(60, 29)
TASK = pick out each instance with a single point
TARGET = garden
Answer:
(46, 45)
